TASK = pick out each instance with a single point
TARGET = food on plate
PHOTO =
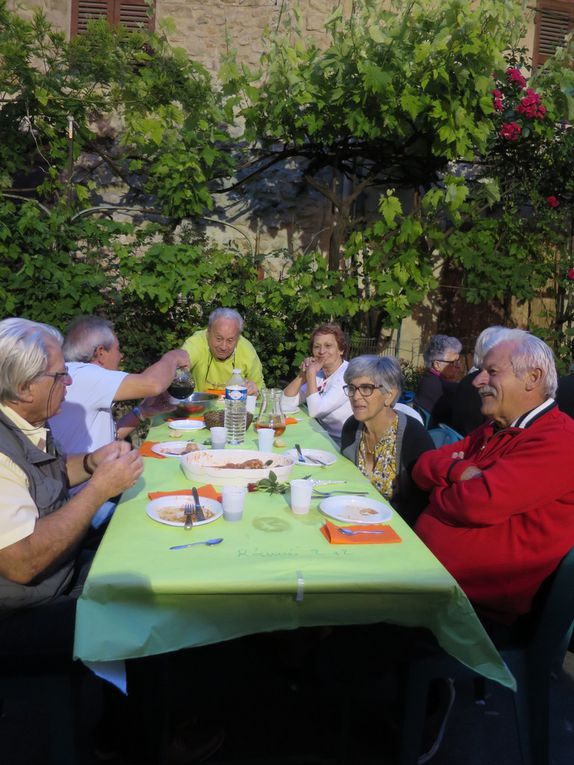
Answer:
(189, 446)
(367, 511)
(247, 465)
(176, 513)
(279, 443)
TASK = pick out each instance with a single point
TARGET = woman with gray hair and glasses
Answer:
(382, 442)
(439, 382)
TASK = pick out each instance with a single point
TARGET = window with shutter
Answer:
(130, 13)
(553, 20)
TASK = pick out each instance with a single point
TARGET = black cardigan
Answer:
(412, 440)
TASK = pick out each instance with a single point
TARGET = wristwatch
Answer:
(139, 414)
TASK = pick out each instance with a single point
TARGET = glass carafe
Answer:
(182, 385)
(271, 414)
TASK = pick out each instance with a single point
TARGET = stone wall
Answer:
(202, 27)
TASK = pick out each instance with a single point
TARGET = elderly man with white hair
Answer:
(466, 414)
(216, 351)
(501, 510)
(41, 526)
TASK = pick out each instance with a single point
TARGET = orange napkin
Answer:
(291, 421)
(335, 536)
(145, 450)
(216, 391)
(207, 490)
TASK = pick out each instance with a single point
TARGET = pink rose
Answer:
(498, 103)
(515, 76)
(553, 202)
(570, 274)
(510, 131)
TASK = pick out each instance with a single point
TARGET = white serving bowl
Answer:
(206, 466)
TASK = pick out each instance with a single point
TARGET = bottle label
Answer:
(236, 393)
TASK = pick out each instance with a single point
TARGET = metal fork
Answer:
(188, 511)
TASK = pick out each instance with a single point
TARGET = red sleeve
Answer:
(534, 469)
(434, 468)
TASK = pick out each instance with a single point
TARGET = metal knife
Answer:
(199, 516)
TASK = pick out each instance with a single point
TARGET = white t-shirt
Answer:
(329, 406)
(85, 420)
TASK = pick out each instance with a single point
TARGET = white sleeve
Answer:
(321, 404)
(288, 403)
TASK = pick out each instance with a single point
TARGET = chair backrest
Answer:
(451, 435)
(423, 413)
(439, 437)
(555, 622)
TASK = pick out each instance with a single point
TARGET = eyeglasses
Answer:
(454, 362)
(56, 375)
(366, 389)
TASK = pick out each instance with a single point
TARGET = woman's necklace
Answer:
(369, 449)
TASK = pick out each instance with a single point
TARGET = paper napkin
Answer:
(335, 536)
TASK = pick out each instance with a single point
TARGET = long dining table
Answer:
(274, 570)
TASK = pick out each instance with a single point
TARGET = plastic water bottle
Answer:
(235, 408)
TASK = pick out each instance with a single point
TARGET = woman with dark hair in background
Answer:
(319, 383)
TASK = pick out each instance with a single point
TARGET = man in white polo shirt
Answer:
(85, 421)
(91, 349)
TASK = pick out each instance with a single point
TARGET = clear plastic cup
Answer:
(233, 500)
(265, 436)
(301, 490)
(218, 438)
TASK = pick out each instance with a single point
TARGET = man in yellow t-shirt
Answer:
(216, 351)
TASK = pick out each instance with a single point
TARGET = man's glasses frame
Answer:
(56, 375)
(366, 389)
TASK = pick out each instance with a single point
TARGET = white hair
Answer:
(530, 352)
(382, 370)
(439, 345)
(84, 335)
(487, 339)
(225, 313)
(23, 353)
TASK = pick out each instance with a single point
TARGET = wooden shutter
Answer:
(554, 19)
(130, 13)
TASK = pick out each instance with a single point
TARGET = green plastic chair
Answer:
(531, 660)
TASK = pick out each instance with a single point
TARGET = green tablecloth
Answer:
(274, 571)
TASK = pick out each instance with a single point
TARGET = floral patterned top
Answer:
(385, 461)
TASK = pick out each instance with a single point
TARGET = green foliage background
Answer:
(399, 100)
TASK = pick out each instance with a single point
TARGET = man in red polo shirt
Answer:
(501, 511)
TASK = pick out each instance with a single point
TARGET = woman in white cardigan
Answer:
(319, 383)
